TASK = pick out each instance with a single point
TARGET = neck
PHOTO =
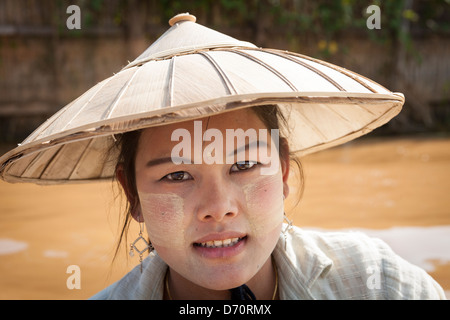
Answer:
(262, 285)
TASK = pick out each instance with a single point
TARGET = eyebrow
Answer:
(248, 146)
(164, 160)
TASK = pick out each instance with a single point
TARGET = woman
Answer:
(217, 228)
(201, 131)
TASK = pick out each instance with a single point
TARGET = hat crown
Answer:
(184, 37)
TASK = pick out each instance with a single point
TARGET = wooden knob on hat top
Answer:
(182, 17)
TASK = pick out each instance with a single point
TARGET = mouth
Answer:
(220, 243)
(220, 247)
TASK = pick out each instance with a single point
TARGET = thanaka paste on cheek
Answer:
(163, 215)
(264, 198)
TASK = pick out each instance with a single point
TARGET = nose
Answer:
(217, 201)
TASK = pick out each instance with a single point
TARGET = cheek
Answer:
(163, 215)
(264, 198)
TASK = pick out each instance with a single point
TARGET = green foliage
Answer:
(323, 20)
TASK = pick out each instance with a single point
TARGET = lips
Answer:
(229, 242)
(220, 246)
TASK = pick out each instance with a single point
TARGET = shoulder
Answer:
(123, 289)
(365, 268)
(137, 285)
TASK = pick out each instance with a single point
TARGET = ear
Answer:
(132, 197)
(285, 164)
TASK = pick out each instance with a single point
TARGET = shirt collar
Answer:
(300, 263)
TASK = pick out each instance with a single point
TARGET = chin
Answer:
(222, 277)
(223, 283)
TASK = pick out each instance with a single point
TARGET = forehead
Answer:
(243, 118)
(159, 138)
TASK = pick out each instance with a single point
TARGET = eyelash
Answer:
(184, 173)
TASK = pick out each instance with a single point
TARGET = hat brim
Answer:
(316, 121)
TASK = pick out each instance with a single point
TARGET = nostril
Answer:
(218, 217)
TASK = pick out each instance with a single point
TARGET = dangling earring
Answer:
(147, 246)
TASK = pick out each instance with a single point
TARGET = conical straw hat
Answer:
(191, 72)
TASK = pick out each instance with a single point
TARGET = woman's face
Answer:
(214, 224)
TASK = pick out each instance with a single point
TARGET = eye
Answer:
(177, 176)
(243, 165)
